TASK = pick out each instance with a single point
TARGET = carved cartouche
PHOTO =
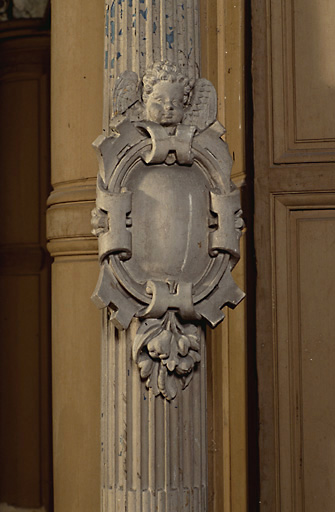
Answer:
(168, 221)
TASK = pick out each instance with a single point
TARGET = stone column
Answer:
(154, 451)
(76, 114)
(154, 439)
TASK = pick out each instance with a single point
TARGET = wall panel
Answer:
(25, 414)
(304, 251)
(302, 80)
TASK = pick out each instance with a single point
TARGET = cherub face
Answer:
(165, 105)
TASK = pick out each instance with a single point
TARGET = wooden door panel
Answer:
(304, 294)
(19, 99)
(303, 80)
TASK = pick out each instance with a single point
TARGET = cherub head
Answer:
(165, 93)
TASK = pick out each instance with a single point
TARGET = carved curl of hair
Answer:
(165, 71)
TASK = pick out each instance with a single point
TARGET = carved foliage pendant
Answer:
(168, 220)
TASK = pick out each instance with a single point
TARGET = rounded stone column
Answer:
(154, 451)
(76, 117)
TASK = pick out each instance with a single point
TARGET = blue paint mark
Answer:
(182, 6)
(120, 32)
(189, 53)
(166, 16)
(183, 16)
(121, 11)
(134, 24)
(170, 28)
(154, 27)
(130, 3)
(112, 63)
(141, 1)
(170, 38)
(118, 55)
(144, 13)
(112, 31)
(113, 10)
(106, 59)
(144, 397)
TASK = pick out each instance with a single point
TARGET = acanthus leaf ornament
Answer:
(168, 220)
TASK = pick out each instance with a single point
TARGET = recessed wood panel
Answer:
(19, 383)
(316, 296)
(19, 159)
(25, 409)
(304, 242)
(303, 80)
(314, 73)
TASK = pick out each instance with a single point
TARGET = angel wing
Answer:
(203, 105)
(127, 96)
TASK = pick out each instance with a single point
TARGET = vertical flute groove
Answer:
(196, 418)
(174, 439)
(152, 444)
(137, 32)
(162, 26)
(203, 419)
(124, 37)
(149, 34)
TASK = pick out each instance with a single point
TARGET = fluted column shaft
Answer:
(154, 451)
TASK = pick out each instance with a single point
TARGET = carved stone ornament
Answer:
(168, 220)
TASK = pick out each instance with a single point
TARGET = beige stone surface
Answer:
(76, 384)
(76, 118)
(76, 88)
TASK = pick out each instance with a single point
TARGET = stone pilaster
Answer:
(154, 451)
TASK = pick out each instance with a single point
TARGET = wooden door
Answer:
(294, 175)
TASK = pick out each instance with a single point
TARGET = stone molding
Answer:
(68, 219)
